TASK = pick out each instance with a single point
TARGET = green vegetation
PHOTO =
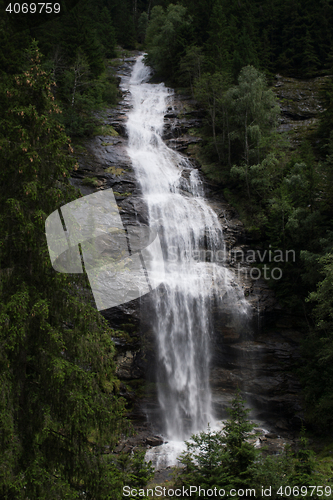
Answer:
(76, 46)
(226, 460)
(114, 170)
(166, 38)
(105, 130)
(279, 36)
(59, 407)
(281, 184)
(221, 459)
(122, 194)
(90, 181)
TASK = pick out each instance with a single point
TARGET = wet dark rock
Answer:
(154, 441)
(134, 211)
(128, 367)
(271, 435)
(257, 356)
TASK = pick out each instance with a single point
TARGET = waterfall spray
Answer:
(187, 227)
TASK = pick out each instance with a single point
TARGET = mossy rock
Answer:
(114, 170)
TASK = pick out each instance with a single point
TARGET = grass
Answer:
(90, 181)
(105, 130)
(114, 170)
(122, 194)
(194, 131)
(79, 148)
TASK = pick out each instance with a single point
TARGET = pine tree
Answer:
(220, 459)
(240, 455)
(58, 402)
(310, 61)
(168, 34)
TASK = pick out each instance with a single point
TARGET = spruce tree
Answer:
(240, 455)
(222, 459)
(58, 402)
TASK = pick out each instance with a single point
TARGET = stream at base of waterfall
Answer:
(180, 308)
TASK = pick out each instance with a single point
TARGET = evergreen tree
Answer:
(190, 67)
(240, 455)
(122, 16)
(142, 26)
(12, 41)
(220, 45)
(58, 402)
(222, 459)
(310, 61)
(254, 111)
(168, 34)
(304, 464)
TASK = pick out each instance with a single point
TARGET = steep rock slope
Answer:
(261, 357)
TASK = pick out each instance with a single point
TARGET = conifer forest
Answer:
(210, 122)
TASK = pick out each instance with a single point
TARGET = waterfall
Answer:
(191, 238)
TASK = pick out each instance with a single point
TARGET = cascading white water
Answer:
(191, 237)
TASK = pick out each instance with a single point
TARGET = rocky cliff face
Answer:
(259, 357)
(300, 104)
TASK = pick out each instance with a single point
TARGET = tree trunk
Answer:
(229, 142)
(213, 116)
(247, 159)
(74, 88)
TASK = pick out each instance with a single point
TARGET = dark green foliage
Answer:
(284, 197)
(288, 473)
(240, 455)
(318, 347)
(225, 460)
(75, 44)
(59, 407)
(142, 26)
(302, 475)
(241, 118)
(221, 459)
(210, 91)
(191, 67)
(276, 36)
(124, 22)
(168, 34)
(106, 32)
(253, 111)
(11, 56)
